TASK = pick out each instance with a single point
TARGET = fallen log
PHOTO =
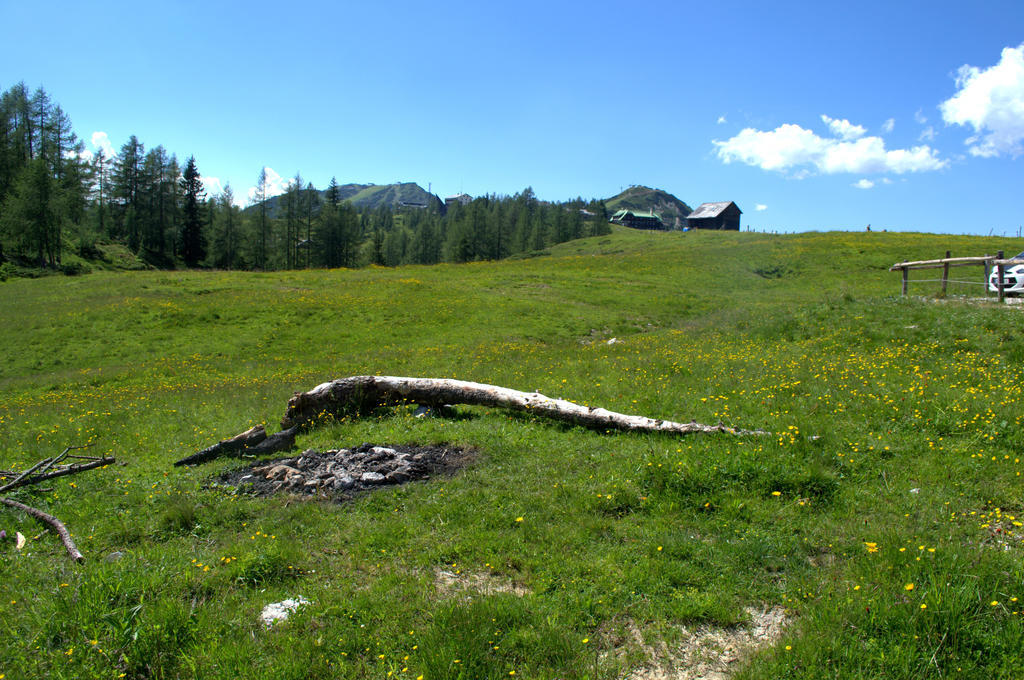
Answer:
(364, 392)
(279, 441)
(361, 393)
(236, 444)
(253, 442)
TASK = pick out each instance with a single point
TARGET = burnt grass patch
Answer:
(340, 474)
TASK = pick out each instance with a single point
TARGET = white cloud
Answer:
(784, 147)
(992, 102)
(863, 184)
(100, 141)
(215, 186)
(760, 207)
(889, 125)
(927, 135)
(791, 147)
(276, 185)
(721, 120)
(212, 185)
(920, 117)
(843, 129)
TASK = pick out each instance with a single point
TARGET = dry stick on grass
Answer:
(37, 472)
(365, 392)
(41, 471)
(75, 468)
(21, 478)
(64, 454)
(61, 530)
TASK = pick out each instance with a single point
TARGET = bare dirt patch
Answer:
(339, 474)
(456, 583)
(709, 652)
(971, 300)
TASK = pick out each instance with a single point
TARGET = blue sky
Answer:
(902, 115)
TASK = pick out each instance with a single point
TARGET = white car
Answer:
(1013, 278)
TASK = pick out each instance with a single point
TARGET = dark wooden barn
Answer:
(638, 220)
(722, 215)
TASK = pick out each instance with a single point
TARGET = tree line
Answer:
(56, 198)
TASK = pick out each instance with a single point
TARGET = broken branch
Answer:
(61, 530)
(63, 472)
(63, 454)
(253, 441)
(42, 471)
(238, 443)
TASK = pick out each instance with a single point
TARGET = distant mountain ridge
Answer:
(394, 195)
(673, 211)
(368, 196)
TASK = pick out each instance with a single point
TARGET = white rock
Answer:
(279, 611)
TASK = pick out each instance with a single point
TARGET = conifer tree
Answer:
(230, 240)
(31, 217)
(260, 199)
(312, 202)
(125, 191)
(152, 225)
(333, 195)
(101, 187)
(292, 203)
(192, 243)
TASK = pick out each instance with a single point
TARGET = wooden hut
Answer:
(721, 215)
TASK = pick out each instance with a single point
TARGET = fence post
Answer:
(904, 270)
(999, 280)
(945, 274)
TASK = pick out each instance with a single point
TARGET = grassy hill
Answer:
(879, 521)
(673, 211)
(393, 195)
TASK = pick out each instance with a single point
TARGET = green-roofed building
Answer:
(638, 220)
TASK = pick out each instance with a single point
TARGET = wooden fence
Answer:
(987, 261)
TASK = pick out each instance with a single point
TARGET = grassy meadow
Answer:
(883, 514)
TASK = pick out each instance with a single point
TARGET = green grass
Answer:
(367, 194)
(869, 397)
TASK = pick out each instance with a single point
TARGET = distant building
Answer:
(722, 215)
(638, 220)
(461, 199)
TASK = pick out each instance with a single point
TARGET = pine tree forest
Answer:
(62, 208)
